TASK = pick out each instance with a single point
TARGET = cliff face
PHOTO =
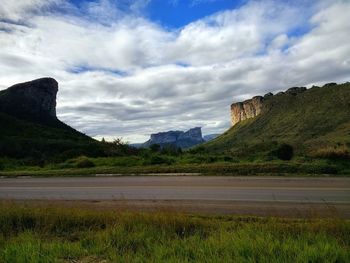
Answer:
(251, 108)
(34, 100)
(165, 137)
(194, 134)
(241, 111)
(177, 138)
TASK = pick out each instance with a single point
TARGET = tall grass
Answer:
(75, 235)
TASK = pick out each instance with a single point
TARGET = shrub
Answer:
(339, 153)
(155, 147)
(228, 158)
(171, 149)
(284, 152)
(197, 149)
(158, 159)
(84, 162)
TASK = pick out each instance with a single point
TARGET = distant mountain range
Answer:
(179, 139)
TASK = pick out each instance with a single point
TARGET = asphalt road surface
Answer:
(218, 194)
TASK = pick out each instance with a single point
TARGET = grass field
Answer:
(278, 168)
(48, 234)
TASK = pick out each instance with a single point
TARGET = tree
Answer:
(284, 152)
(155, 147)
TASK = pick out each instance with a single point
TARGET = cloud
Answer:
(21, 10)
(122, 75)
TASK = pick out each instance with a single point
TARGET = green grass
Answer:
(205, 164)
(317, 118)
(47, 234)
(277, 168)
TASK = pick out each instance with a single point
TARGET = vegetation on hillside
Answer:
(315, 123)
(47, 234)
(306, 134)
(37, 144)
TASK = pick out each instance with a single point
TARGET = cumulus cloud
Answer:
(122, 75)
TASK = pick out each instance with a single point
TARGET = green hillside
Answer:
(315, 122)
(36, 143)
(31, 132)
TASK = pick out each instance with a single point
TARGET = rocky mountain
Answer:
(177, 138)
(310, 120)
(34, 100)
(210, 137)
(241, 111)
(30, 129)
(251, 108)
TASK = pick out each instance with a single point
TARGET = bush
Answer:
(84, 162)
(158, 159)
(284, 152)
(197, 149)
(171, 149)
(228, 158)
(155, 147)
(340, 153)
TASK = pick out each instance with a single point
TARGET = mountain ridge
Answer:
(179, 139)
(309, 119)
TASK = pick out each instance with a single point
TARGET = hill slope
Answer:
(309, 121)
(31, 130)
(24, 139)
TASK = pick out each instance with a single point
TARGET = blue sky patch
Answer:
(83, 69)
(178, 13)
(171, 13)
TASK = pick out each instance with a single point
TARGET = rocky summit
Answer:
(251, 108)
(312, 121)
(176, 138)
(241, 111)
(34, 100)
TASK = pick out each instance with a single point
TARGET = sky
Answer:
(129, 68)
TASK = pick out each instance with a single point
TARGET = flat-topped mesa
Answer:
(251, 108)
(34, 100)
(165, 137)
(35, 96)
(177, 138)
(241, 111)
(194, 134)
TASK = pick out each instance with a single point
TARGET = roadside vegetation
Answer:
(54, 234)
(280, 161)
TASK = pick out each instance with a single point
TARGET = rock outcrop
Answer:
(241, 111)
(295, 90)
(176, 138)
(210, 137)
(165, 137)
(34, 99)
(251, 108)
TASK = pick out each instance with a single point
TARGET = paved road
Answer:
(200, 190)
(330, 190)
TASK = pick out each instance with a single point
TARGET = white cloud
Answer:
(174, 79)
(21, 9)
